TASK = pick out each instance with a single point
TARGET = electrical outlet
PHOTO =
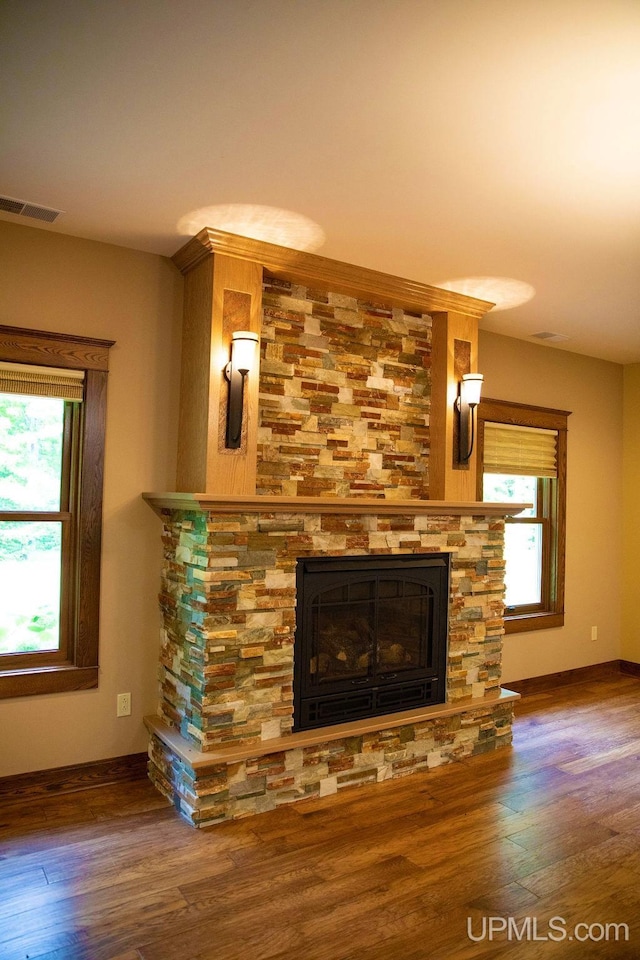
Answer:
(123, 708)
(594, 633)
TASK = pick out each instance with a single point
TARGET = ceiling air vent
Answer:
(550, 337)
(25, 209)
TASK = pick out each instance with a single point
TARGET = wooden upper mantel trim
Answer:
(339, 277)
(210, 503)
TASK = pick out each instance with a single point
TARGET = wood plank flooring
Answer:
(398, 871)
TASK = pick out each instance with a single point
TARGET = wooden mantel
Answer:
(224, 275)
(347, 278)
(356, 506)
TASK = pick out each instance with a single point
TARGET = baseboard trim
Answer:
(628, 666)
(567, 678)
(80, 776)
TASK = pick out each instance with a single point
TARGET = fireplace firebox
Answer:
(371, 636)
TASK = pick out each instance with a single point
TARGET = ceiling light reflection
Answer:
(271, 224)
(505, 292)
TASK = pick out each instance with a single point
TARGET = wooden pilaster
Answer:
(454, 352)
(222, 294)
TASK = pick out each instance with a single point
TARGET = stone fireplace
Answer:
(337, 461)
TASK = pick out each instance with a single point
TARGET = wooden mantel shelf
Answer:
(355, 506)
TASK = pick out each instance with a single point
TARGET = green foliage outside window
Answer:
(523, 541)
(31, 435)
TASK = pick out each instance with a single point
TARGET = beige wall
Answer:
(54, 282)
(631, 502)
(592, 390)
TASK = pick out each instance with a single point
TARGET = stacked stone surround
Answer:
(228, 602)
(344, 396)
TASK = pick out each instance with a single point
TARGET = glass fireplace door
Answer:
(371, 635)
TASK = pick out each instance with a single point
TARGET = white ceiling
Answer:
(431, 139)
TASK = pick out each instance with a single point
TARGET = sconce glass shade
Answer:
(468, 399)
(243, 350)
(471, 389)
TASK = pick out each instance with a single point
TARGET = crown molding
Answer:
(311, 269)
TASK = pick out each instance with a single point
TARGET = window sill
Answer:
(525, 622)
(37, 680)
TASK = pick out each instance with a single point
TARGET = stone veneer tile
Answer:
(344, 396)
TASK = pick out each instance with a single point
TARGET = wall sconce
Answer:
(243, 348)
(469, 390)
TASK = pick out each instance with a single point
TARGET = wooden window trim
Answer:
(78, 667)
(519, 414)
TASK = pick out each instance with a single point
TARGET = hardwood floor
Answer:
(547, 829)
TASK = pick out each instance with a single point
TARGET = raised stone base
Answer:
(229, 783)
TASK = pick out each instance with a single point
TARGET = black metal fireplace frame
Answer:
(342, 701)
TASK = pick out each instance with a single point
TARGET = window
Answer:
(52, 420)
(522, 457)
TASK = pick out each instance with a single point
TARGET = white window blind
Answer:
(35, 381)
(524, 451)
